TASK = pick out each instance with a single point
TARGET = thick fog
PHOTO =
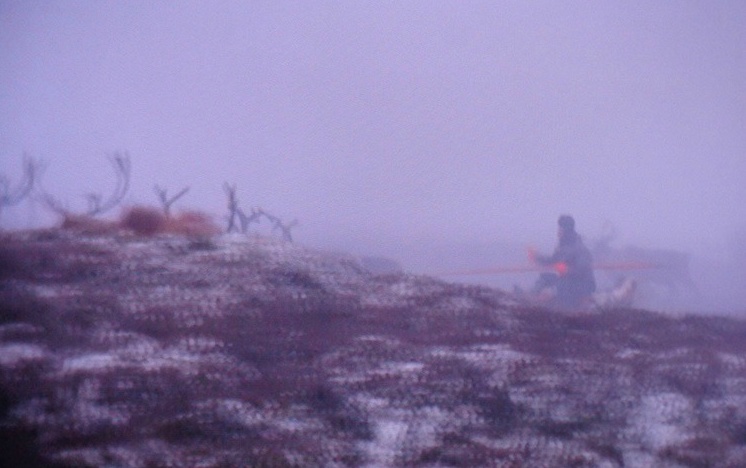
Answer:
(445, 135)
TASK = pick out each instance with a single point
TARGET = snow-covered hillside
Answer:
(124, 351)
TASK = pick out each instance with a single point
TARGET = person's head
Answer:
(566, 227)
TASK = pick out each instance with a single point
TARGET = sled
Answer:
(620, 296)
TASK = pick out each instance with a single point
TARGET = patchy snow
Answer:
(384, 449)
(11, 355)
(662, 419)
(244, 350)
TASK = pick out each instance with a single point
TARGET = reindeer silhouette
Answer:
(661, 268)
(139, 220)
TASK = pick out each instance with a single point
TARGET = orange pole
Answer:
(613, 266)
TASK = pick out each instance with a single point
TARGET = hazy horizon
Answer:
(385, 126)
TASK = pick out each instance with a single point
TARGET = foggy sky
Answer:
(383, 124)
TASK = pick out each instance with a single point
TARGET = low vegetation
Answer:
(156, 351)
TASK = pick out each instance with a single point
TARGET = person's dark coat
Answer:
(577, 282)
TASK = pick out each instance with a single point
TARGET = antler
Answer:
(233, 209)
(280, 225)
(235, 212)
(96, 206)
(245, 220)
(167, 202)
(31, 172)
(121, 163)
